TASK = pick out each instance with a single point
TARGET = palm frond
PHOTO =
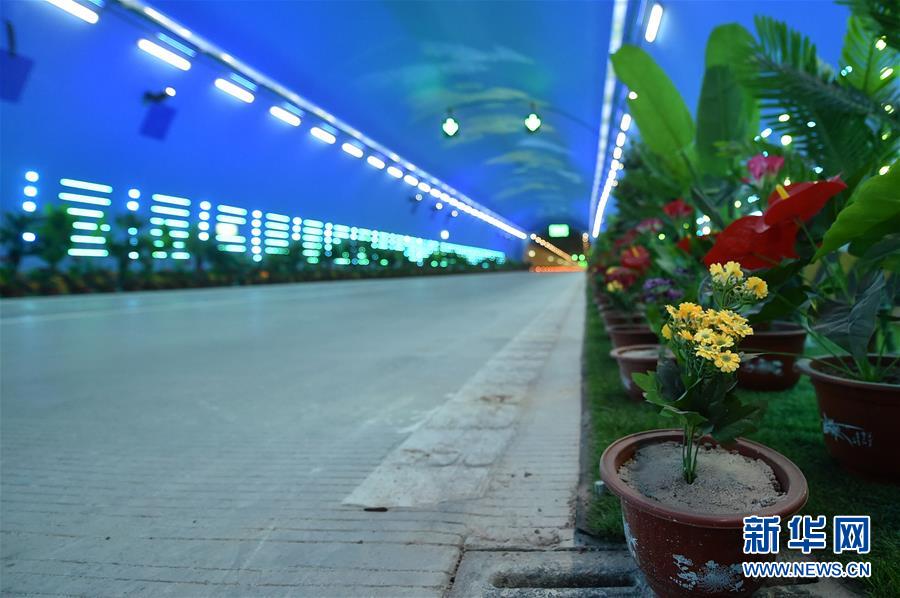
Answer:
(883, 16)
(866, 62)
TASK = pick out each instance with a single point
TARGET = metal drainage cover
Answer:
(563, 574)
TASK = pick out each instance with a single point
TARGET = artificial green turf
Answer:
(790, 425)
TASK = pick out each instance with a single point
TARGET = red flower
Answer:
(684, 244)
(803, 201)
(626, 276)
(752, 243)
(626, 239)
(677, 209)
(636, 258)
(760, 165)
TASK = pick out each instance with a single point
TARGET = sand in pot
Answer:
(727, 482)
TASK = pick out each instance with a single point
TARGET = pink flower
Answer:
(760, 165)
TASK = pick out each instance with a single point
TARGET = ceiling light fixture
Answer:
(656, 15)
(450, 127)
(73, 8)
(167, 56)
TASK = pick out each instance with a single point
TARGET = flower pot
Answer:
(612, 317)
(602, 299)
(635, 359)
(767, 371)
(860, 420)
(623, 335)
(683, 553)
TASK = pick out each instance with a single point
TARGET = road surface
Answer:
(228, 441)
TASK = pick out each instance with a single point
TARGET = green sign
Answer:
(558, 230)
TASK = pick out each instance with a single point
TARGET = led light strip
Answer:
(469, 206)
(620, 11)
(551, 247)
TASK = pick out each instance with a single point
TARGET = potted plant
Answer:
(684, 493)
(857, 381)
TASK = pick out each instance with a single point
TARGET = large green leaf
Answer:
(875, 202)
(728, 112)
(720, 118)
(659, 110)
(866, 62)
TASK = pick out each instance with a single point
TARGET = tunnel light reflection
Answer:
(234, 90)
(283, 115)
(167, 56)
(322, 135)
(75, 9)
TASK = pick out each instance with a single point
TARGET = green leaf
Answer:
(875, 202)
(866, 62)
(720, 118)
(851, 325)
(728, 45)
(659, 110)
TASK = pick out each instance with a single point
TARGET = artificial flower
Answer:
(678, 209)
(760, 165)
(636, 258)
(800, 201)
(753, 243)
(626, 276)
(614, 287)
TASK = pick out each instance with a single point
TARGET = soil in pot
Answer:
(635, 359)
(770, 369)
(727, 482)
(688, 551)
(624, 335)
(860, 420)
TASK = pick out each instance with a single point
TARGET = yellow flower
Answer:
(709, 353)
(689, 311)
(720, 341)
(727, 361)
(718, 273)
(733, 270)
(614, 286)
(704, 336)
(756, 286)
(666, 332)
(686, 335)
(671, 311)
(733, 324)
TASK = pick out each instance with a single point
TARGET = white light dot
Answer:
(257, 258)
(134, 193)
(132, 205)
(737, 203)
(632, 95)
(204, 236)
(30, 191)
(445, 234)
(29, 206)
(257, 214)
(170, 91)
(133, 255)
(880, 45)
(31, 176)
(784, 118)
(765, 132)
(786, 139)
(28, 237)
(884, 170)
(205, 205)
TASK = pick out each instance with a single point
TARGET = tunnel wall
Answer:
(82, 106)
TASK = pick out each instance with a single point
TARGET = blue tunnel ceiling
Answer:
(391, 69)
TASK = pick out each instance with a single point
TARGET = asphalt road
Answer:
(202, 442)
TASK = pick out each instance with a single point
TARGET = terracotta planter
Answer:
(632, 360)
(612, 317)
(860, 420)
(682, 553)
(767, 371)
(624, 335)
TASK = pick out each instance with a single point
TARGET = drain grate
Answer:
(561, 574)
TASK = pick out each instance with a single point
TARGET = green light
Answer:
(581, 257)
(574, 257)
(558, 230)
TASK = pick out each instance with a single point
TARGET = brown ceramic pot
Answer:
(623, 335)
(860, 420)
(767, 371)
(636, 359)
(612, 317)
(682, 553)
